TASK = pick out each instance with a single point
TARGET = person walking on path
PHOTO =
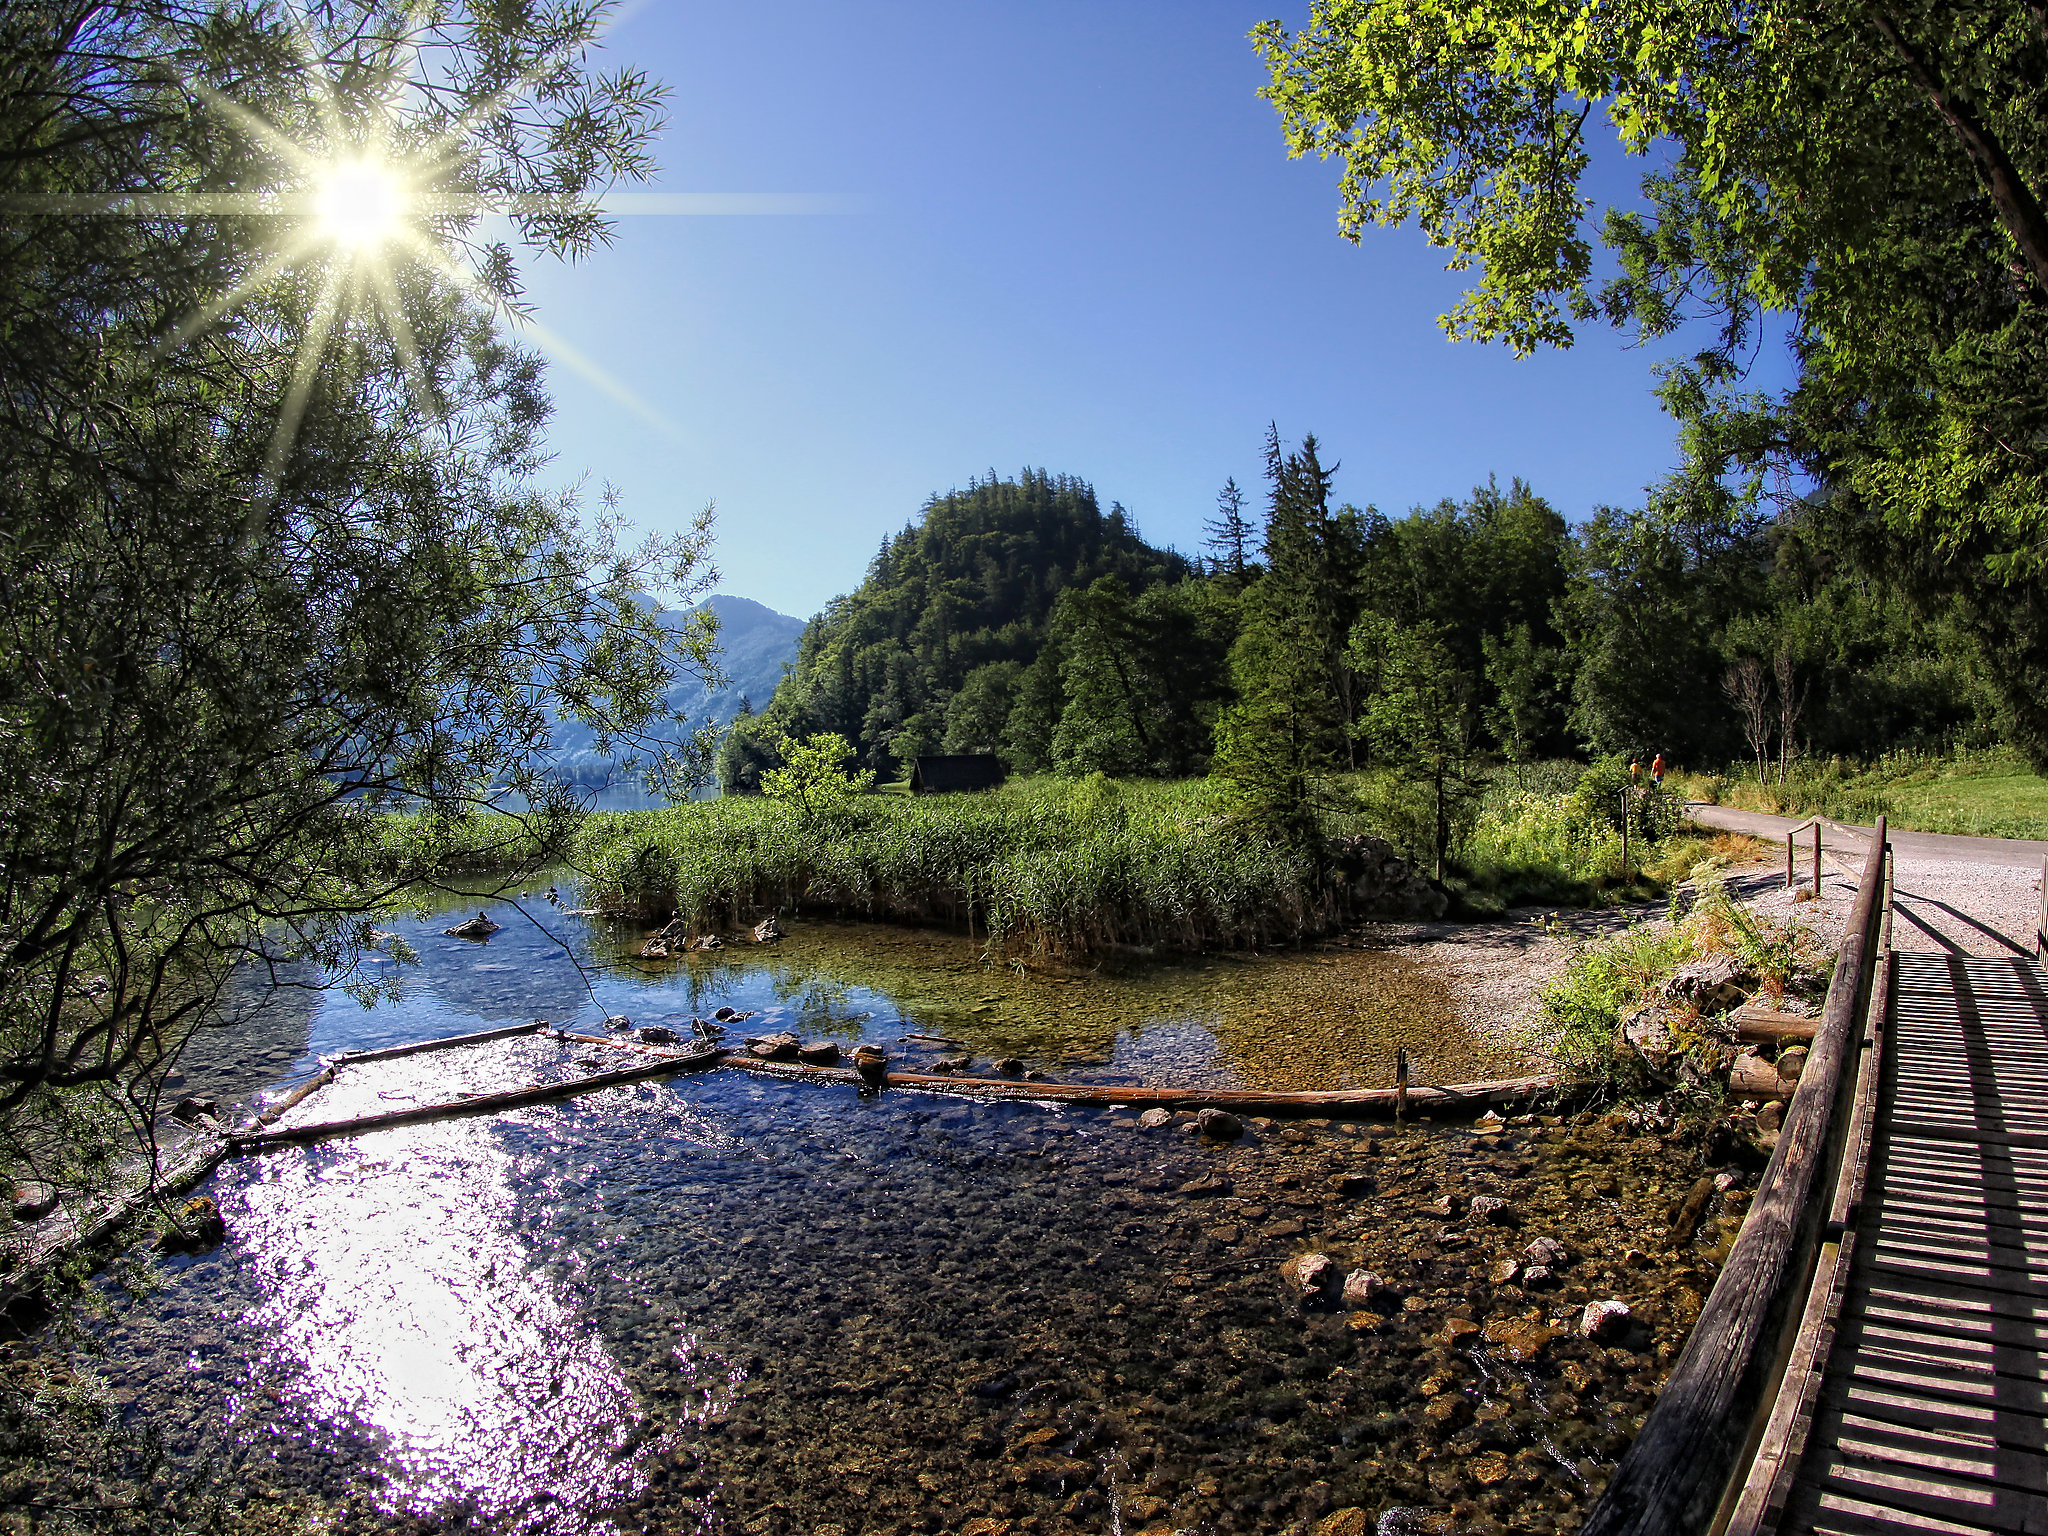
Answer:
(1635, 771)
(1657, 771)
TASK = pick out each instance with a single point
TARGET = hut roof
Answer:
(956, 771)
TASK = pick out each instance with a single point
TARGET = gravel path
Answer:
(1943, 903)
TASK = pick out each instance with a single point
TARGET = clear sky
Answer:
(1078, 244)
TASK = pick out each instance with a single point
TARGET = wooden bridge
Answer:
(1874, 1356)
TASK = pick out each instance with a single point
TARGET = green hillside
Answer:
(944, 645)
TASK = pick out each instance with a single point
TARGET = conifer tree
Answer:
(1229, 531)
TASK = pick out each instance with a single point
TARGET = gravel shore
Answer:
(1496, 970)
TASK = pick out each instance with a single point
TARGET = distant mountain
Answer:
(755, 644)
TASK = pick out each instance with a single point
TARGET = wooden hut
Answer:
(955, 771)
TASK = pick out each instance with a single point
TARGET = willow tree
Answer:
(271, 549)
(1869, 177)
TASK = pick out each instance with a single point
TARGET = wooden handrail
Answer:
(1691, 1457)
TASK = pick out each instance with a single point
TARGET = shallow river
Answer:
(725, 1303)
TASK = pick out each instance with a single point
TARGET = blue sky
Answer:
(1078, 244)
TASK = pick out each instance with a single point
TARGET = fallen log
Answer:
(1756, 1025)
(297, 1096)
(445, 1042)
(88, 1231)
(1452, 1096)
(476, 1104)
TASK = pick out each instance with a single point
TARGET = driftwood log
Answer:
(1456, 1097)
(443, 1043)
(1687, 1462)
(193, 1162)
(475, 1104)
(1755, 1025)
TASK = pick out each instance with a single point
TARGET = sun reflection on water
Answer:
(402, 1303)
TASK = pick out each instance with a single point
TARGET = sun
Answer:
(359, 204)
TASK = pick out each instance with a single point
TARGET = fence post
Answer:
(1816, 856)
(1400, 1083)
(2041, 925)
(1788, 861)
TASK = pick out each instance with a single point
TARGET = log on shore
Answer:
(1767, 1026)
(89, 1230)
(477, 1104)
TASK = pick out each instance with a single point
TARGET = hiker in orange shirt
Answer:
(1657, 771)
(1635, 772)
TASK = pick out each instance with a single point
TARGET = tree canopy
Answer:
(1869, 178)
(271, 546)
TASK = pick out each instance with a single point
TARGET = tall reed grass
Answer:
(1043, 868)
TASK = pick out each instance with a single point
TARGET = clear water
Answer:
(720, 1302)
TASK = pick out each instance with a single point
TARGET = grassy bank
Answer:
(1980, 794)
(1054, 868)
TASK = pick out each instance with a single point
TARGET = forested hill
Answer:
(931, 650)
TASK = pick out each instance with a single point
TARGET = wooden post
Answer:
(1400, 1082)
(1816, 856)
(1789, 881)
(2041, 925)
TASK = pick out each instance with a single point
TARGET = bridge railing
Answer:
(1689, 1470)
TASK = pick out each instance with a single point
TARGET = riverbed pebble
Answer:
(1604, 1320)
(1219, 1124)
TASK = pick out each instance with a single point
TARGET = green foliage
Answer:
(1877, 178)
(1142, 678)
(1043, 867)
(273, 562)
(972, 584)
(1422, 718)
(1288, 730)
(816, 775)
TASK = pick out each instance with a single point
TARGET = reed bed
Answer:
(1043, 868)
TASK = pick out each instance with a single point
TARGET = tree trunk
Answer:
(2018, 209)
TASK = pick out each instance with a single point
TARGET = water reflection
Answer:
(399, 1300)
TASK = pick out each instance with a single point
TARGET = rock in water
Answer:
(1155, 1117)
(198, 1227)
(655, 1034)
(1604, 1320)
(191, 1109)
(871, 1062)
(767, 931)
(1219, 1124)
(34, 1200)
(1546, 1250)
(1362, 1288)
(617, 1021)
(1310, 1275)
(478, 927)
(819, 1053)
(1522, 1338)
(1493, 1209)
(1010, 1066)
(781, 1047)
(707, 941)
